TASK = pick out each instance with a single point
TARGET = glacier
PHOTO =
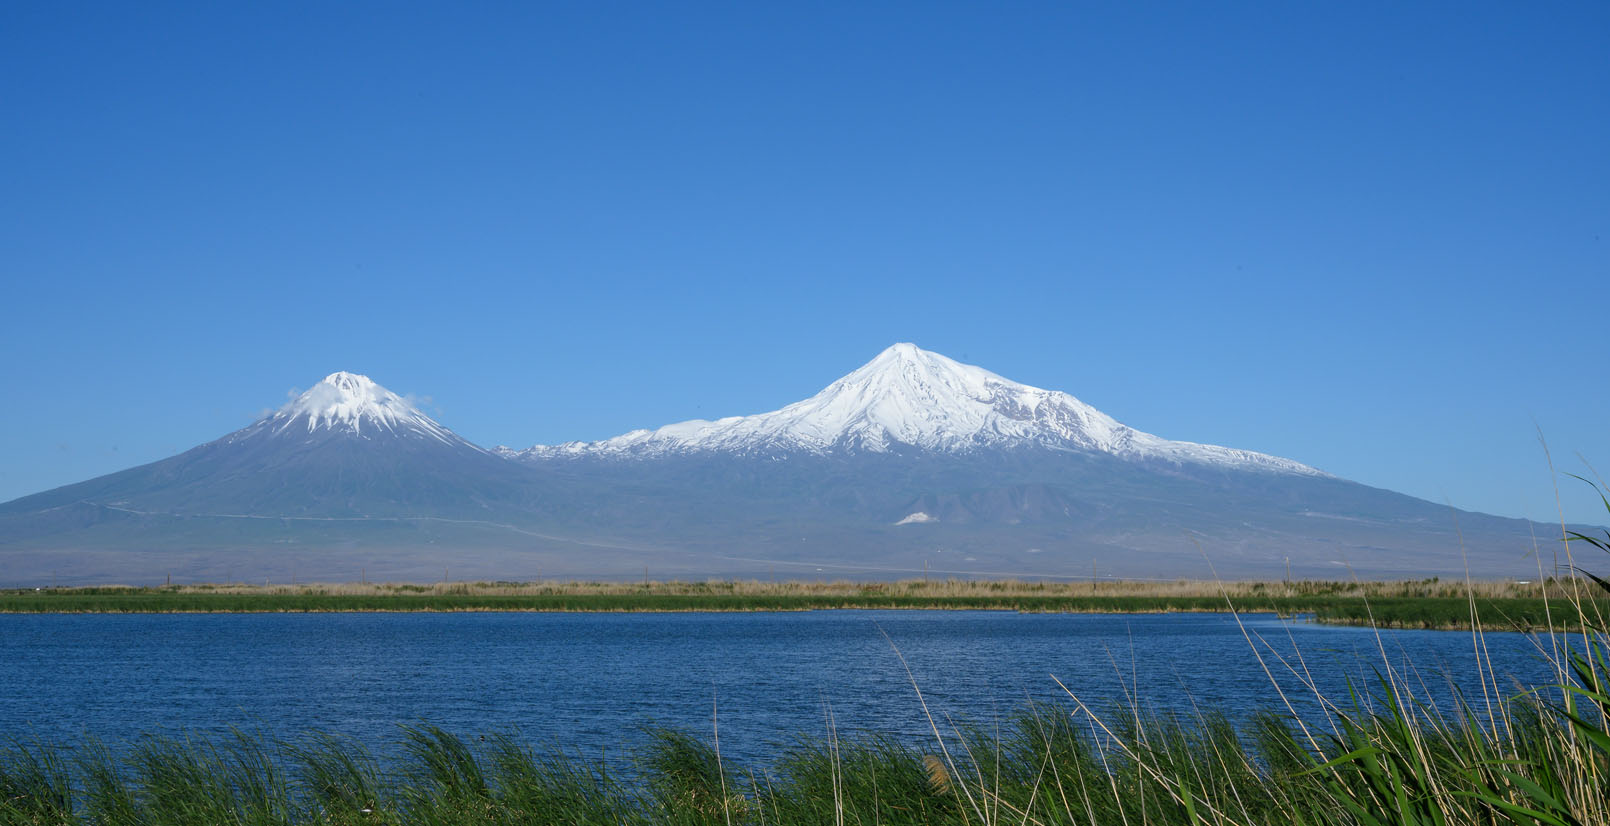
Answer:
(909, 398)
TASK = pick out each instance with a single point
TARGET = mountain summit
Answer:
(346, 449)
(349, 403)
(909, 398)
(913, 462)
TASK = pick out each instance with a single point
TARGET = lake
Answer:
(591, 683)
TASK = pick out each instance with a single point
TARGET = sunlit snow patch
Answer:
(908, 397)
(916, 518)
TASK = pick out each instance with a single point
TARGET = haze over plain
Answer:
(1368, 239)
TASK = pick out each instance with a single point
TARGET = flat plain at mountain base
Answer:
(1431, 603)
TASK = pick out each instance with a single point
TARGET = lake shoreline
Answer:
(197, 716)
(1424, 604)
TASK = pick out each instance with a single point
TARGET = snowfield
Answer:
(910, 398)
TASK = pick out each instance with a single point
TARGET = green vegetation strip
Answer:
(156, 601)
(1045, 765)
(1400, 612)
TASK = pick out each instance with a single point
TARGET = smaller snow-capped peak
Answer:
(351, 403)
(908, 397)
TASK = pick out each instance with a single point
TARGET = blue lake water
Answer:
(593, 682)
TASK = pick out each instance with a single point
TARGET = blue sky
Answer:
(1371, 237)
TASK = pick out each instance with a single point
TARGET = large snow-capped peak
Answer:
(907, 398)
(350, 403)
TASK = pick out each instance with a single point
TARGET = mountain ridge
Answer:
(348, 402)
(910, 398)
(911, 460)
(362, 448)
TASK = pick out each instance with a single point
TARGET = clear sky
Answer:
(1372, 237)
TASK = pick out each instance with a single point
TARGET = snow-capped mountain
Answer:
(912, 398)
(347, 448)
(347, 403)
(911, 461)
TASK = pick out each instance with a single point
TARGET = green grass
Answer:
(1455, 614)
(1043, 765)
(1400, 612)
(159, 601)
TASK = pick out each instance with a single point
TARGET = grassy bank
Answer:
(1054, 764)
(1410, 604)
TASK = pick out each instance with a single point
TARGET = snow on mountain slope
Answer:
(353, 404)
(917, 399)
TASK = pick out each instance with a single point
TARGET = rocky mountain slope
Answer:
(911, 463)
